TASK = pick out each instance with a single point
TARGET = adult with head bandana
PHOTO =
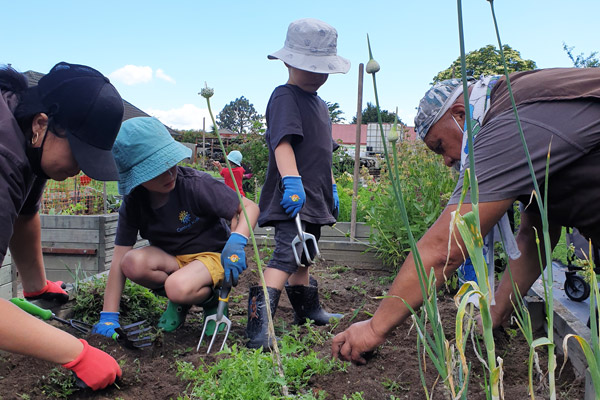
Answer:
(561, 106)
(66, 123)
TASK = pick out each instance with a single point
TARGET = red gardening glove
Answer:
(53, 291)
(94, 367)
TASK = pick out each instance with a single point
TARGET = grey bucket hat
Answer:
(311, 45)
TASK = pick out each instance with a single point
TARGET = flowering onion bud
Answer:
(372, 67)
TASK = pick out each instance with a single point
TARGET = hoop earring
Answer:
(35, 137)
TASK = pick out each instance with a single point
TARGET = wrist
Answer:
(239, 238)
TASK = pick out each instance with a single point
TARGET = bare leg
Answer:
(189, 285)
(148, 266)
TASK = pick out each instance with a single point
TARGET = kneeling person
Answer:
(183, 213)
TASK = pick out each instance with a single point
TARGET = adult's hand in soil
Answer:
(293, 195)
(233, 257)
(109, 321)
(94, 367)
(354, 342)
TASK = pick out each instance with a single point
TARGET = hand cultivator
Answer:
(48, 315)
(130, 336)
(304, 238)
(219, 317)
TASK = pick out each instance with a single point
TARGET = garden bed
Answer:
(392, 373)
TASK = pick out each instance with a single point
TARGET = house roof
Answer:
(347, 133)
(129, 110)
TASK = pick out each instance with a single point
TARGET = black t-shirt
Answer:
(192, 221)
(303, 117)
(20, 188)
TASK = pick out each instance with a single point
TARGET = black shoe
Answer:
(305, 300)
(258, 323)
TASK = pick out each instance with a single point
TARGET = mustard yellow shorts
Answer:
(211, 260)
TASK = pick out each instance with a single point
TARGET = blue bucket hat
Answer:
(235, 157)
(144, 149)
(436, 102)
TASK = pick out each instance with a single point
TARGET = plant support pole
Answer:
(357, 151)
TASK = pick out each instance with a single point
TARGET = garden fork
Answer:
(219, 317)
(304, 238)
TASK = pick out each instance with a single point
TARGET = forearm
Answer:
(286, 159)
(524, 270)
(406, 287)
(116, 280)
(20, 333)
(252, 211)
(26, 252)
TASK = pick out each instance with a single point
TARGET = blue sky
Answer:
(159, 54)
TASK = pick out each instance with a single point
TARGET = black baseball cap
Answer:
(83, 102)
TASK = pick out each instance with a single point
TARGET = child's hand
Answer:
(109, 321)
(336, 202)
(233, 257)
(53, 291)
(293, 195)
(94, 367)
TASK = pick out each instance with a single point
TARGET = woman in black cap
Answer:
(67, 123)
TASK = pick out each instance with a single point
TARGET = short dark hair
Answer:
(16, 82)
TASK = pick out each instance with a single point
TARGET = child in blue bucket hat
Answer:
(235, 158)
(183, 213)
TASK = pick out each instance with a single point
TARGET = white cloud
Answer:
(160, 74)
(188, 116)
(132, 75)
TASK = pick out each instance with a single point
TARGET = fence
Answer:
(79, 195)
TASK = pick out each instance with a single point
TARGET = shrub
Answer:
(427, 185)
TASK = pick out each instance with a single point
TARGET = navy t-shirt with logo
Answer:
(303, 117)
(193, 220)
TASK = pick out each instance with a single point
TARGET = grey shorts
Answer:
(283, 256)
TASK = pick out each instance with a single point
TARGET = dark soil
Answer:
(392, 371)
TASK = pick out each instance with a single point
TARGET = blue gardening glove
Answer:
(293, 195)
(336, 202)
(109, 321)
(233, 257)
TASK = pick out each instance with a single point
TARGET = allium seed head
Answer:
(372, 67)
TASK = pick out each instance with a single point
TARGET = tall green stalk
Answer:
(547, 276)
(207, 93)
(470, 229)
(431, 340)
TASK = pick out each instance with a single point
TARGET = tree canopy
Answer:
(369, 114)
(487, 61)
(335, 113)
(240, 116)
(581, 61)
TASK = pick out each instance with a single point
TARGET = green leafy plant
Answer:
(242, 373)
(59, 384)
(137, 302)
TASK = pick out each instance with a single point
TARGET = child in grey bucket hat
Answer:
(299, 181)
(183, 213)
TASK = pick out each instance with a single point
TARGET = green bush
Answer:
(427, 185)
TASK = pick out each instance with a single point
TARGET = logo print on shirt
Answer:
(184, 217)
(187, 221)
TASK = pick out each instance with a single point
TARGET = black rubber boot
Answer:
(257, 328)
(305, 300)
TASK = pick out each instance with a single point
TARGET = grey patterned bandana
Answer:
(435, 103)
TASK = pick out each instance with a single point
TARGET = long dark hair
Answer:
(16, 82)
